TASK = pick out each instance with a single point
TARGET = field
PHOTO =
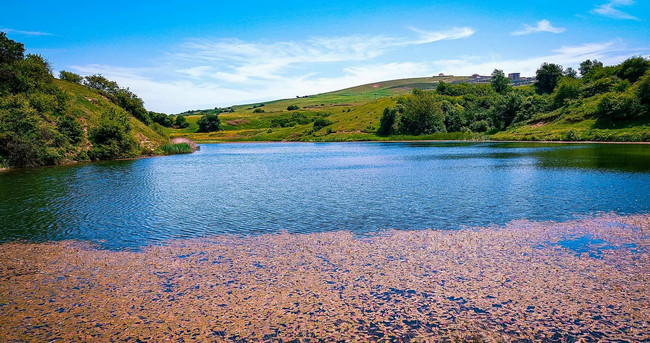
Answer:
(354, 113)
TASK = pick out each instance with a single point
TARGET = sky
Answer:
(181, 55)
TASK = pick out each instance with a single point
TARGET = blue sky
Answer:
(179, 56)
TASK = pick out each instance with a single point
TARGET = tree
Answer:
(181, 122)
(570, 72)
(633, 68)
(422, 114)
(10, 50)
(101, 83)
(209, 123)
(71, 77)
(568, 88)
(588, 65)
(387, 121)
(548, 76)
(293, 108)
(643, 92)
(499, 81)
(320, 123)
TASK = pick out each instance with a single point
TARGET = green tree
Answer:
(181, 122)
(101, 83)
(499, 81)
(421, 114)
(71, 77)
(209, 123)
(111, 138)
(320, 123)
(643, 90)
(547, 78)
(570, 72)
(633, 68)
(387, 121)
(10, 50)
(293, 108)
(568, 88)
(588, 65)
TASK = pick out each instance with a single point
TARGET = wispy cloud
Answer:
(27, 33)
(434, 36)
(542, 26)
(609, 10)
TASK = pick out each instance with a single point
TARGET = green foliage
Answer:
(10, 50)
(132, 104)
(643, 90)
(569, 88)
(588, 65)
(161, 119)
(111, 138)
(633, 68)
(209, 123)
(70, 77)
(101, 83)
(570, 72)
(505, 110)
(258, 110)
(181, 122)
(320, 123)
(464, 88)
(71, 128)
(422, 114)
(293, 108)
(618, 106)
(499, 81)
(387, 122)
(479, 126)
(179, 148)
(547, 78)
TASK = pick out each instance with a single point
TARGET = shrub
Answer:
(618, 106)
(181, 122)
(258, 110)
(293, 108)
(479, 126)
(70, 77)
(209, 123)
(111, 138)
(387, 121)
(320, 123)
(569, 88)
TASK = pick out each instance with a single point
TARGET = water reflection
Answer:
(362, 187)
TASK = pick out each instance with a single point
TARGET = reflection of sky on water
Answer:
(255, 188)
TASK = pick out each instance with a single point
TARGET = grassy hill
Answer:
(606, 104)
(354, 113)
(88, 105)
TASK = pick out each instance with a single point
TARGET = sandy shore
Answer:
(584, 280)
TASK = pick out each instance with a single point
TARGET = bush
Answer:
(422, 114)
(70, 77)
(111, 138)
(569, 88)
(293, 108)
(71, 129)
(258, 110)
(161, 119)
(209, 123)
(618, 106)
(479, 126)
(181, 122)
(387, 121)
(320, 123)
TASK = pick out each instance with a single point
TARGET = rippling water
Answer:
(312, 187)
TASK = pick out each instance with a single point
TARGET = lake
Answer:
(255, 188)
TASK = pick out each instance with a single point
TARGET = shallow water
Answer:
(319, 187)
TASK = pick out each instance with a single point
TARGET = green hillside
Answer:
(607, 103)
(46, 121)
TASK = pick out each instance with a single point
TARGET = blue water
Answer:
(255, 188)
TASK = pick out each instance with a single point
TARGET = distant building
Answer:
(514, 76)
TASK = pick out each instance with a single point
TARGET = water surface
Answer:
(256, 188)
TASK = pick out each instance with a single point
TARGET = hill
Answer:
(46, 121)
(605, 104)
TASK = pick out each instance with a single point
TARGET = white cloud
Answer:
(609, 10)
(434, 36)
(542, 26)
(607, 52)
(27, 33)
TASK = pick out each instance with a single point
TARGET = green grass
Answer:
(87, 105)
(180, 148)
(355, 113)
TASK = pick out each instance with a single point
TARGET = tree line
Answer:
(621, 92)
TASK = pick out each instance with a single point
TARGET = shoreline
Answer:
(583, 279)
